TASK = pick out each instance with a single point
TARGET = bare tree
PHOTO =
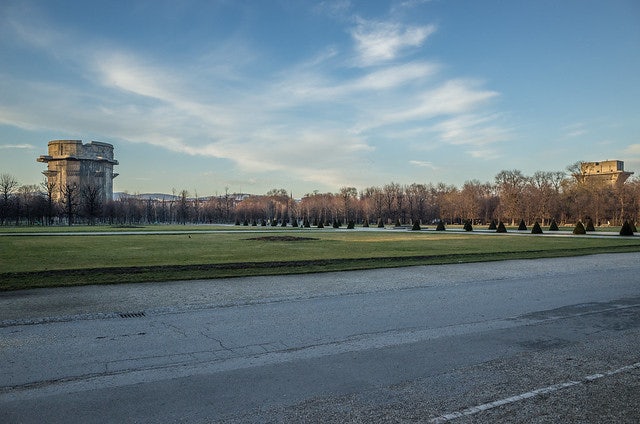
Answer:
(348, 194)
(8, 185)
(70, 201)
(183, 207)
(510, 185)
(91, 197)
(49, 187)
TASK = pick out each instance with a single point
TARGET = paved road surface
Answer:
(552, 340)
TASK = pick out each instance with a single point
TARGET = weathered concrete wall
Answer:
(70, 162)
(609, 171)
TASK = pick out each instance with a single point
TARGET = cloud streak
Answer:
(379, 41)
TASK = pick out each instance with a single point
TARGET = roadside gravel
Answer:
(611, 399)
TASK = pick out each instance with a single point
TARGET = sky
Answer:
(253, 95)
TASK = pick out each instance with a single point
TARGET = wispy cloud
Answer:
(423, 164)
(632, 150)
(451, 98)
(17, 146)
(577, 129)
(472, 129)
(380, 41)
(484, 154)
(333, 8)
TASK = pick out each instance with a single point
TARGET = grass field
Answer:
(28, 261)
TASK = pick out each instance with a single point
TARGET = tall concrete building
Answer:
(609, 172)
(72, 163)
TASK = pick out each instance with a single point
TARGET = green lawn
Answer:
(39, 261)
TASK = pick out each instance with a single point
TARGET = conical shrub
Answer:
(590, 226)
(522, 226)
(351, 225)
(468, 226)
(553, 226)
(579, 228)
(536, 228)
(416, 225)
(501, 228)
(440, 226)
(626, 229)
(320, 224)
(492, 225)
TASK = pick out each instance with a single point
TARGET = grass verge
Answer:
(37, 261)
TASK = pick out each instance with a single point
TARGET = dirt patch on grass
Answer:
(282, 238)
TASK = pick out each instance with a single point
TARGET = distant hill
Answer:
(146, 196)
(170, 197)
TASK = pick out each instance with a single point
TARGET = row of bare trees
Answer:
(511, 197)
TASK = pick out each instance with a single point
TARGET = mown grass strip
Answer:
(139, 274)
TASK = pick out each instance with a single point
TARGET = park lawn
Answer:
(118, 228)
(42, 261)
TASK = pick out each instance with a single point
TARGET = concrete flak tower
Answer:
(608, 172)
(72, 163)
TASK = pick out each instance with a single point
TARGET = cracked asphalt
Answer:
(414, 344)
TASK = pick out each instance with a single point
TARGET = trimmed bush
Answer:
(590, 226)
(501, 228)
(522, 226)
(553, 226)
(284, 222)
(579, 228)
(294, 222)
(398, 224)
(237, 222)
(626, 229)
(492, 225)
(416, 225)
(274, 222)
(536, 229)
(440, 226)
(320, 224)
(468, 226)
(306, 223)
(337, 223)
(263, 223)
(351, 225)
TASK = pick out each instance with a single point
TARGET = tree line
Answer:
(510, 198)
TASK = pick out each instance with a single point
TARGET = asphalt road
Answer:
(552, 340)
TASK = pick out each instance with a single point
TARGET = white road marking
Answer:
(544, 390)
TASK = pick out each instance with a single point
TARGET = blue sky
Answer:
(315, 95)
